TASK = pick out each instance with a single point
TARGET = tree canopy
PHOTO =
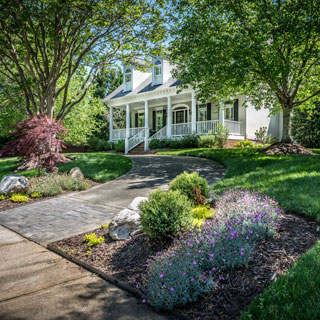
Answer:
(45, 43)
(268, 50)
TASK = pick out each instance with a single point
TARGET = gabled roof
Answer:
(145, 86)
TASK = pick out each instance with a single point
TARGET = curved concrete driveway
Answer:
(58, 218)
(147, 174)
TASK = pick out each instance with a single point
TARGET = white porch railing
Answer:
(135, 140)
(161, 134)
(235, 127)
(205, 127)
(134, 131)
(119, 134)
(181, 129)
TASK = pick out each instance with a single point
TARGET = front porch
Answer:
(174, 117)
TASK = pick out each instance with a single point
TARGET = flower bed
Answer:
(207, 273)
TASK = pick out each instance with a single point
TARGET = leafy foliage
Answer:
(35, 195)
(244, 144)
(262, 135)
(3, 197)
(265, 49)
(17, 197)
(203, 212)
(306, 125)
(207, 141)
(165, 213)
(37, 143)
(187, 182)
(120, 146)
(221, 135)
(97, 144)
(93, 240)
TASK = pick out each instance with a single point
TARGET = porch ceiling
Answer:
(163, 101)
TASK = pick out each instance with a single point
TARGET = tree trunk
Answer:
(286, 138)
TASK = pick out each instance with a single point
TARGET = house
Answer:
(156, 109)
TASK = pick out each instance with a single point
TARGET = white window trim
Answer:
(125, 86)
(157, 80)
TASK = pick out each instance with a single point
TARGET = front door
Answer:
(180, 116)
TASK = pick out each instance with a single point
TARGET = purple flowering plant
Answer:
(201, 256)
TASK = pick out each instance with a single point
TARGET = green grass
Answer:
(97, 166)
(294, 181)
(295, 295)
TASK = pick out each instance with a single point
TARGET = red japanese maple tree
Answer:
(37, 143)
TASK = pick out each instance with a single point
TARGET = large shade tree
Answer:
(266, 49)
(45, 43)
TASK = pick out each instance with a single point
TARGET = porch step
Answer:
(139, 149)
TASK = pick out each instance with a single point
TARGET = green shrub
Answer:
(93, 240)
(190, 141)
(165, 213)
(207, 141)
(18, 197)
(186, 184)
(221, 135)
(120, 146)
(244, 144)
(97, 144)
(159, 143)
(262, 135)
(35, 195)
(3, 197)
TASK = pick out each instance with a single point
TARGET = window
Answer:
(202, 112)
(157, 72)
(159, 120)
(141, 120)
(128, 79)
(229, 111)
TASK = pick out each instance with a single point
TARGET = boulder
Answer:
(134, 205)
(13, 183)
(127, 222)
(76, 173)
(125, 225)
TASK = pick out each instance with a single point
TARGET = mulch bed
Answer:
(287, 148)
(126, 261)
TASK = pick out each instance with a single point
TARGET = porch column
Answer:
(146, 125)
(193, 113)
(221, 113)
(111, 125)
(127, 128)
(127, 121)
(169, 117)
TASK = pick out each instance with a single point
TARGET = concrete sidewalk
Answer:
(38, 284)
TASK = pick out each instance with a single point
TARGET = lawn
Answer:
(294, 181)
(97, 166)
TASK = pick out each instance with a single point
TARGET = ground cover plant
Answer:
(97, 166)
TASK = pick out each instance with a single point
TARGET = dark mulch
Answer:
(287, 148)
(126, 261)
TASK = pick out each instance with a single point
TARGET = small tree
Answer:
(37, 144)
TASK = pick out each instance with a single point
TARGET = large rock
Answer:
(76, 173)
(127, 222)
(13, 183)
(134, 205)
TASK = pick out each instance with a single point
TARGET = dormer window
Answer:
(127, 79)
(157, 72)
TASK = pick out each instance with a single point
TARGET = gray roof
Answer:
(145, 86)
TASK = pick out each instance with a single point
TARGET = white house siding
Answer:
(260, 118)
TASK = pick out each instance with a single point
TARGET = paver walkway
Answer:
(38, 284)
(55, 219)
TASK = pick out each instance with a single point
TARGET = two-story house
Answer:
(155, 109)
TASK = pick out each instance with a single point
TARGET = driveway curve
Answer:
(54, 219)
(147, 174)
